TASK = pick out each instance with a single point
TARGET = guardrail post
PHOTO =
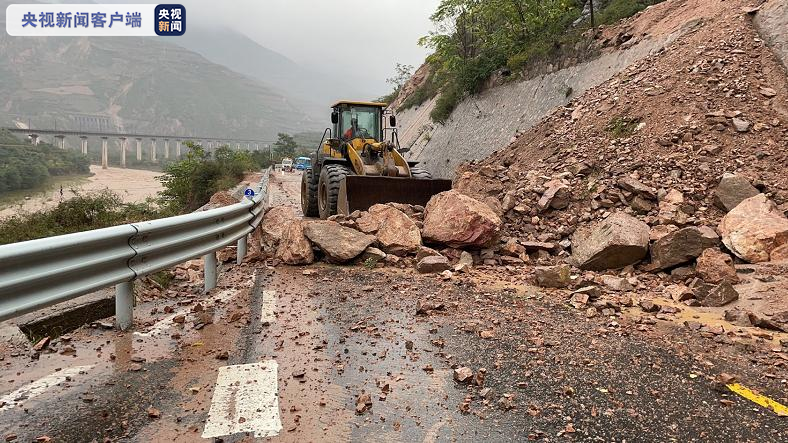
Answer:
(240, 252)
(124, 305)
(210, 265)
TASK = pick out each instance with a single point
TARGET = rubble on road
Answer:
(715, 266)
(615, 242)
(732, 190)
(294, 248)
(339, 243)
(557, 276)
(272, 225)
(682, 246)
(754, 228)
(433, 264)
(458, 221)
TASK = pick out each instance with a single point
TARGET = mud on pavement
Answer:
(358, 353)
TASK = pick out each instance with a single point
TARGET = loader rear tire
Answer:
(420, 173)
(328, 188)
(309, 194)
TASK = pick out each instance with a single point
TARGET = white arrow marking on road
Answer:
(246, 399)
(267, 315)
(39, 386)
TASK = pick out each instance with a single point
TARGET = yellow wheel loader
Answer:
(355, 167)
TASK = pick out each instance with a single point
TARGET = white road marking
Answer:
(246, 399)
(39, 386)
(267, 315)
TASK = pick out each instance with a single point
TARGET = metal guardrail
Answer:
(39, 273)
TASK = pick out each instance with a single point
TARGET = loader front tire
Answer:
(309, 194)
(328, 188)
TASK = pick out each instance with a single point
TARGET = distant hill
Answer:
(140, 84)
(309, 90)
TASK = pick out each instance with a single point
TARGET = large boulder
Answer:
(273, 224)
(459, 221)
(682, 246)
(294, 248)
(732, 190)
(754, 228)
(715, 266)
(396, 232)
(614, 242)
(340, 244)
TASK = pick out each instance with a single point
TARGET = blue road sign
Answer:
(249, 193)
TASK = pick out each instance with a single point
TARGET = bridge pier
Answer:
(83, 142)
(104, 153)
(61, 141)
(166, 148)
(257, 146)
(139, 149)
(122, 152)
(153, 150)
(178, 149)
(34, 139)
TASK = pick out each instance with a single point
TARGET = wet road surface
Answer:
(332, 353)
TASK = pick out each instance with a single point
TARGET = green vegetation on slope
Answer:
(24, 166)
(475, 38)
(190, 183)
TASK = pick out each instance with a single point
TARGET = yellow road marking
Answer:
(762, 400)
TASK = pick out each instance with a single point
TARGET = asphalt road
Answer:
(290, 354)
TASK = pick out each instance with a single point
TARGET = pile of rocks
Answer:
(389, 233)
(672, 172)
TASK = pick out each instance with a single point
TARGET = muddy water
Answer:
(132, 185)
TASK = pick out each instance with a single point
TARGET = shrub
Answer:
(81, 213)
(449, 99)
(190, 183)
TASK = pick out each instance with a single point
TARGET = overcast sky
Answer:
(365, 38)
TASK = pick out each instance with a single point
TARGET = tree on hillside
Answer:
(401, 76)
(285, 146)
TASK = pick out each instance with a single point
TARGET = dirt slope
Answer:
(665, 120)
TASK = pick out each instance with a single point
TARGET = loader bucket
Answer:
(359, 192)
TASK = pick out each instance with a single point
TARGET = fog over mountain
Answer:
(218, 79)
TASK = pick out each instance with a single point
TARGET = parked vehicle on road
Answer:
(287, 164)
(302, 163)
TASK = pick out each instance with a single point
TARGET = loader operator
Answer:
(352, 130)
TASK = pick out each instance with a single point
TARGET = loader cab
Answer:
(358, 120)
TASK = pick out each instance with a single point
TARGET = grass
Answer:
(163, 278)
(622, 126)
(370, 262)
(427, 90)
